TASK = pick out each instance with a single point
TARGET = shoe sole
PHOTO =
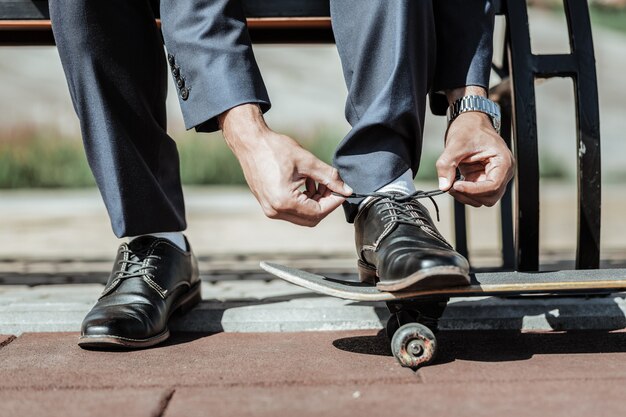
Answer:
(425, 279)
(101, 342)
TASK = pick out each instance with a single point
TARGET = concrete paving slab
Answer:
(51, 293)
(79, 403)
(310, 313)
(536, 313)
(551, 398)
(250, 289)
(12, 288)
(49, 308)
(54, 361)
(276, 306)
(55, 291)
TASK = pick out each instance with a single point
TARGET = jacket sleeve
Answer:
(464, 43)
(211, 59)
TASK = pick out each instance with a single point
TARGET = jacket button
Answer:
(184, 93)
(180, 82)
(171, 60)
(175, 72)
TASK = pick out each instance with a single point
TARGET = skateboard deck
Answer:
(603, 281)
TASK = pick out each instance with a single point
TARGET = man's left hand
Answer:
(483, 159)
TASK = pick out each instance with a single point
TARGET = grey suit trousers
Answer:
(393, 53)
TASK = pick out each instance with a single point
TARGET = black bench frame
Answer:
(26, 22)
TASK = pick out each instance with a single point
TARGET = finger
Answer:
(326, 175)
(446, 169)
(477, 188)
(319, 209)
(300, 221)
(461, 198)
(329, 203)
(310, 187)
(309, 211)
(314, 209)
(322, 190)
(483, 200)
(487, 188)
(287, 210)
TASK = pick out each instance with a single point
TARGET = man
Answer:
(115, 66)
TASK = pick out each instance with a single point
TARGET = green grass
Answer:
(30, 160)
(551, 167)
(207, 160)
(34, 161)
(611, 17)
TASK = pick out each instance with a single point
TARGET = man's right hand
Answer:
(276, 168)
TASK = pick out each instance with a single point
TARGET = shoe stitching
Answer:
(146, 276)
(116, 281)
(388, 227)
(155, 286)
(410, 215)
(425, 226)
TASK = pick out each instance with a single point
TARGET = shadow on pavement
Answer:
(490, 346)
(176, 338)
(365, 345)
(497, 346)
(181, 338)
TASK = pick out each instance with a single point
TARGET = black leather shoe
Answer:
(401, 249)
(151, 279)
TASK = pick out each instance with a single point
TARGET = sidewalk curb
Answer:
(286, 309)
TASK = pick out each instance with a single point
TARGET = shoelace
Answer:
(407, 214)
(134, 260)
(397, 199)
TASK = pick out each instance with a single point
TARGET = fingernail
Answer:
(443, 183)
(347, 189)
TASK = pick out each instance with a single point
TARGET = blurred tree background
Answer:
(42, 156)
(607, 13)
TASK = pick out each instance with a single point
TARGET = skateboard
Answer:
(412, 325)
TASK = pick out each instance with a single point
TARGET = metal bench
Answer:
(26, 22)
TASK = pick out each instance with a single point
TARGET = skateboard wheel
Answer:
(414, 345)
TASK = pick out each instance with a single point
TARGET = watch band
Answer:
(476, 103)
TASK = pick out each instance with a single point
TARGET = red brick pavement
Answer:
(84, 402)
(553, 399)
(317, 373)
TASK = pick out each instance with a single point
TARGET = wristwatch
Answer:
(476, 103)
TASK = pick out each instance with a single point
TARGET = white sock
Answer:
(176, 238)
(403, 184)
